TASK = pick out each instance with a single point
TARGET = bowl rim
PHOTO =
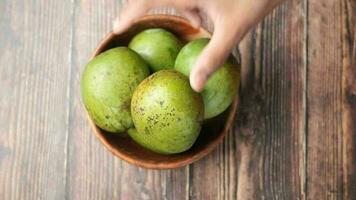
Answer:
(164, 165)
(148, 17)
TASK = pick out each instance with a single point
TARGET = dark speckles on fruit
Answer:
(166, 100)
(163, 125)
(147, 131)
(126, 104)
(105, 79)
(150, 119)
(141, 109)
(171, 114)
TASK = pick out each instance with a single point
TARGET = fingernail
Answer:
(196, 25)
(197, 83)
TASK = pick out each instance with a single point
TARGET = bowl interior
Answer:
(213, 130)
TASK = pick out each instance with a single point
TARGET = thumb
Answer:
(131, 12)
(213, 56)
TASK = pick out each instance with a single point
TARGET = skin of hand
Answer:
(231, 19)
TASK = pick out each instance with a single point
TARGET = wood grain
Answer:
(349, 109)
(34, 68)
(294, 137)
(331, 102)
(270, 128)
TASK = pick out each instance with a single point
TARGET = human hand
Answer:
(231, 20)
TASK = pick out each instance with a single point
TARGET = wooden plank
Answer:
(349, 99)
(262, 158)
(93, 172)
(34, 66)
(215, 176)
(331, 101)
(270, 126)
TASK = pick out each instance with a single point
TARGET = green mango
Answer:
(167, 113)
(107, 85)
(222, 86)
(158, 47)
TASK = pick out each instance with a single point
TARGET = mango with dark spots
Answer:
(158, 47)
(167, 113)
(222, 86)
(107, 85)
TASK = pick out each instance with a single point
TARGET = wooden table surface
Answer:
(294, 136)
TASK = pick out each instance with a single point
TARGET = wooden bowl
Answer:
(213, 130)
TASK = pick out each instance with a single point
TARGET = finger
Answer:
(213, 56)
(138, 8)
(193, 16)
(131, 12)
